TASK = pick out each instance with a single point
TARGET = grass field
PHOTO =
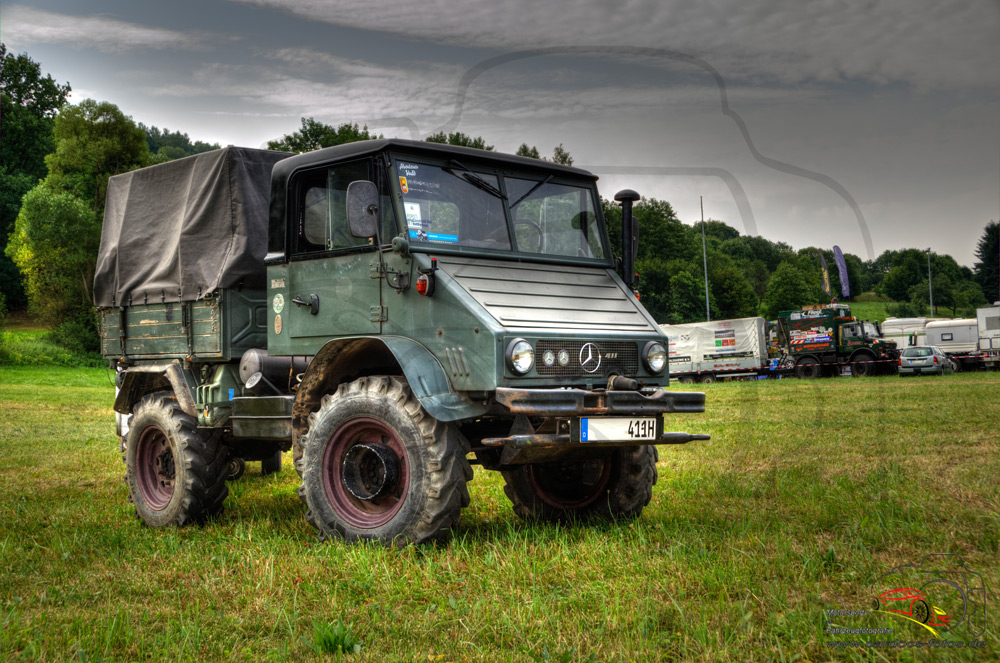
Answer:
(808, 492)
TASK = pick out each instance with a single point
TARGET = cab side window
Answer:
(321, 207)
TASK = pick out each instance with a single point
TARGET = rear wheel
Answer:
(808, 368)
(708, 378)
(617, 486)
(375, 466)
(175, 473)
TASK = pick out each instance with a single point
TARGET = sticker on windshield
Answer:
(422, 236)
(412, 211)
(402, 184)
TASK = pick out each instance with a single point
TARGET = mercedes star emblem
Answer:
(590, 358)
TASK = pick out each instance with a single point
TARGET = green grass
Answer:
(807, 493)
(24, 346)
(870, 310)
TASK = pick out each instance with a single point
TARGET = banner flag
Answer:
(826, 273)
(845, 283)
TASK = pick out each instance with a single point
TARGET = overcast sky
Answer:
(872, 125)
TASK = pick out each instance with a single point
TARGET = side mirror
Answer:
(362, 208)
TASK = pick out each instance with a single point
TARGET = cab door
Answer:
(332, 289)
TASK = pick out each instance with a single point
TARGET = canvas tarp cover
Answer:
(179, 230)
(717, 340)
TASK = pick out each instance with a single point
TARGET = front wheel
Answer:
(617, 486)
(175, 473)
(375, 466)
(863, 366)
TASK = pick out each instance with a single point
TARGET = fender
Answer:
(137, 381)
(345, 359)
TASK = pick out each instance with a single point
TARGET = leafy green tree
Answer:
(987, 267)
(29, 101)
(787, 290)
(166, 145)
(731, 292)
(315, 135)
(561, 156)
(525, 151)
(459, 139)
(55, 245)
(687, 298)
(94, 140)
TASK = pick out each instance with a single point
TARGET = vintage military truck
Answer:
(392, 312)
(821, 340)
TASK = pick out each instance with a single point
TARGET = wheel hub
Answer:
(370, 471)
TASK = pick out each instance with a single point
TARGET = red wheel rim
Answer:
(570, 485)
(364, 514)
(155, 470)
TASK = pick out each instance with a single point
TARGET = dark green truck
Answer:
(392, 312)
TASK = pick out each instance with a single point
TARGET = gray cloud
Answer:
(923, 43)
(24, 26)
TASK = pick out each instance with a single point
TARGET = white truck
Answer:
(988, 322)
(720, 349)
(959, 339)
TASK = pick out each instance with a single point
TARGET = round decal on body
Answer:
(279, 303)
(277, 324)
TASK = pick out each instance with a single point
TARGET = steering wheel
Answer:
(538, 229)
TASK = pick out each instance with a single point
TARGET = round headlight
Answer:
(654, 355)
(548, 357)
(563, 357)
(520, 356)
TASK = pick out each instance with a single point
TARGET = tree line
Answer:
(57, 159)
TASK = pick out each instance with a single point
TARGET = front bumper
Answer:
(564, 408)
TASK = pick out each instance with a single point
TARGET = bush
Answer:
(903, 310)
(78, 335)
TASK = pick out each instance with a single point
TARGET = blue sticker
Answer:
(232, 393)
(584, 432)
(432, 237)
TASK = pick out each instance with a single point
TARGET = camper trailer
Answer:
(959, 339)
(988, 322)
(906, 332)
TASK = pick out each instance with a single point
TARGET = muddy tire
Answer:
(808, 368)
(375, 466)
(236, 467)
(176, 474)
(863, 366)
(616, 487)
(271, 465)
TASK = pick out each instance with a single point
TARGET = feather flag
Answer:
(826, 273)
(845, 284)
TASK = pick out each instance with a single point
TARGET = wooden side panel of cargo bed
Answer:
(174, 329)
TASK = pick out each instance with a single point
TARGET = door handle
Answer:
(313, 303)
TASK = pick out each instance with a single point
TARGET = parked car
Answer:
(925, 359)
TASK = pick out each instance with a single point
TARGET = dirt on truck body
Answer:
(392, 312)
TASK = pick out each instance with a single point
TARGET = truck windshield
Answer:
(451, 205)
(871, 331)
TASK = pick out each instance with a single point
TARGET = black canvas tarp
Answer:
(179, 230)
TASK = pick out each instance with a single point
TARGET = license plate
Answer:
(617, 429)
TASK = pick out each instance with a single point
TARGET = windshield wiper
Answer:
(475, 180)
(531, 191)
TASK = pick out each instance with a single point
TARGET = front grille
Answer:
(616, 357)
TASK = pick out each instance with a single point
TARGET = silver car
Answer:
(925, 359)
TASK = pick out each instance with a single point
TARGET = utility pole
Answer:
(930, 285)
(704, 255)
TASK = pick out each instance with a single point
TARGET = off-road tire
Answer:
(422, 505)
(616, 487)
(862, 366)
(808, 369)
(176, 474)
(271, 465)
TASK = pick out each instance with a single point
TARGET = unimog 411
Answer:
(393, 312)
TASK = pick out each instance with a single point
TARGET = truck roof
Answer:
(368, 147)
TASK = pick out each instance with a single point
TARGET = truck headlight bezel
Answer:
(654, 357)
(520, 356)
